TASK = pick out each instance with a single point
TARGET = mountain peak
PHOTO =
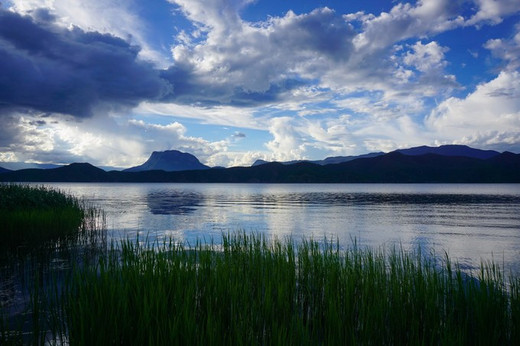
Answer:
(169, 161)
(259, 162)
(450, 150)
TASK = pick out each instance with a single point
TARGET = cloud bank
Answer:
(50, 69)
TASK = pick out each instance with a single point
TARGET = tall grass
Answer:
(32, 215)
(252, 290)
(42, 233)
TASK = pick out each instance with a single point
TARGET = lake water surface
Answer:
(471, 222)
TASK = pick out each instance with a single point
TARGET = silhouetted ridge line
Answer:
(394, 167)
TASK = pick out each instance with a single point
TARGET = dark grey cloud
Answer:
(190, 88)
(321, 31)
(9, 130)
(52, 69)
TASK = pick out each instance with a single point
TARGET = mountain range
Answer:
(327, 161)
(450, 150)
(13, 166)
(445, 164)
(444, 150)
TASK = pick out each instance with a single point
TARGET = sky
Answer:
(233, 81)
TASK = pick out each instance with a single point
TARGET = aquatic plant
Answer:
(30, 215)
(254, 290)
(42, 233)
(250, 289)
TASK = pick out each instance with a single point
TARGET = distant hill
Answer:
(286, 163)
(450, 150)
(327, 161)
(341, 159)
(389, 168)
(4, 170)
(259, 162)
(393, 167)
(169, 161)
(396, 167)
(443, 150)
(75, 172)
(13, 166)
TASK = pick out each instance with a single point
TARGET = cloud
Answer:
(225, 60)
(25, 136)
(244, 64)
(506, 50)
(383, 61)
(218, 15)
(216, 88)
(405, 21)
(100, 140)
(119, 18)
(237, 158)
(11, 136)
(426, 57)
(70, 71)
(216, 115)
(172, 136)
(427, 63)
(487, 117)
(320, 83)
(228, 61)
(493, 11)
(287, 143)
(426, 18)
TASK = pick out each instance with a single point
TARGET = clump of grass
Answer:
(42, 233)
(32, 215)
(251, 290)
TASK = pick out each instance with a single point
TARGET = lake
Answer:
(471, 222)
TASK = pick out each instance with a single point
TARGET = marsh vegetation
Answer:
(31, 216)
(253, 290)
(43, 233)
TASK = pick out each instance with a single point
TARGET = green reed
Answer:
(252, 290)
(43, 232)
(31, 215)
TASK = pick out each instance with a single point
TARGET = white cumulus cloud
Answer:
(489, 116)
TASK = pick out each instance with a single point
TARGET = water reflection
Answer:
(470, 222)
(173, 202)
(30, 272)
(350, 199)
